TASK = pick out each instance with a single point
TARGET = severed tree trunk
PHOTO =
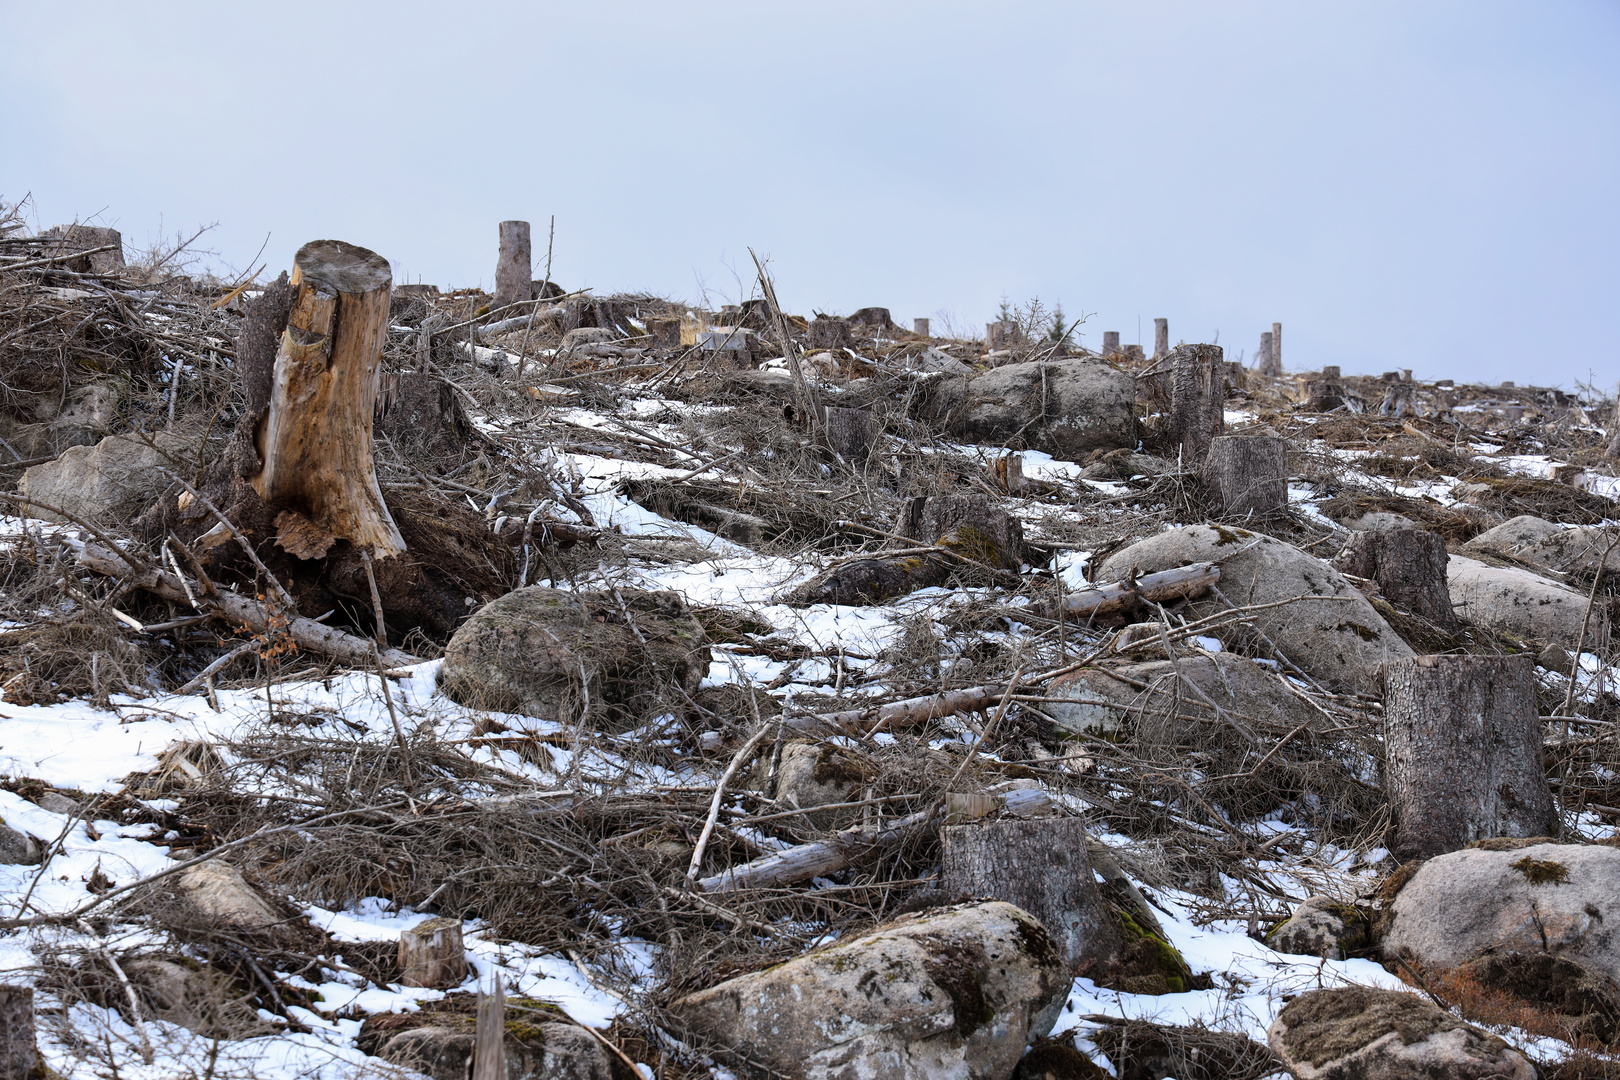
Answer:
(1276, 349)
(1110, 343)
(19, 1053)
(1041, 865)
(431, 954)
(1114, 603)
(1262, 356)
(1249, 473)
(1463, 742)
(104, 247)
(513, 283)
(315, 442)
(1161, 338)
(850, 434)
(1198, 397)
(1409, 566)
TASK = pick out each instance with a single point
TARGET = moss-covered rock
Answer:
(557, 655)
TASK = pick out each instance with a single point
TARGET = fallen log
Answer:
(240, 610)
(824, 857)
(918, 710)
(1108, 602)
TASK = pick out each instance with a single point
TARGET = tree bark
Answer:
(1041, 865)
(850, 434)
(919, 327)
(1262, 356)
(1250, 474)
(514, 282)
(431, 954)
(1161, 338)
(315, 443)
(1198, 398)
(19, 1053)
(1409, 566)
(1276, 349)
(1113, 603)
(1463, 743)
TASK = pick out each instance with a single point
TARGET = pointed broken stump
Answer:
(315, 442)
(431, 954)
(1409, 566)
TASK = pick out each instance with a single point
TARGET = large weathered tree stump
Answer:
(431, 954)
(1463, 744)
(513, 266)
(19, 1053)
(1198, 396)
(315, 442)
(104, 247)
(1409, 566)
(1040, 865)
(1249, 473)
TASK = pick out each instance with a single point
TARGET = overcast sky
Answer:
(1429, 185)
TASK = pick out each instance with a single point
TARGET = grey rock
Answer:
(815, 774)
(57, 803)
(1321, 926)
(549, 1051)
(17, 849)
(1331, 631)
(951, 992)
(211, 896)
(1511, 897)
(1357, 1032)
(112, 482)
(1521, 603)
(1542, 544)
(553, 654)
(1063, 407)
(196, 998)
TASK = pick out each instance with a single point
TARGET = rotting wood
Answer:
(1109, 602)
(315, 442)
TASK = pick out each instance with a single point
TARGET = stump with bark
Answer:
(431, 954)
(1198, 395)
(850, 434)
(1409, 566)
(512, 266)
(1463, 740)
(1040, 865)
(19, 1053)
(1249, 474)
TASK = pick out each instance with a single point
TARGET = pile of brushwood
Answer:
(737, 821)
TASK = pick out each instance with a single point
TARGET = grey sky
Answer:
(1416, 184)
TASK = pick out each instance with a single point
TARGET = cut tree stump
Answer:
(1161, 338)
(1041, 865)
(19, 1053)
(104, 247)
(850, 434)
(1198, 396)
(513, 283)
(1409, 566)
(1250, 474)
(431, 955)
(315, 443)
(1463, 742)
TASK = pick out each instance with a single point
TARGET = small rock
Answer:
(198, 999)
(56, 803)
(1356, 1032)
(17, 849)
(1322, 926)
(109, 483)
(817, 773)
(212, 896)
(954, 991)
